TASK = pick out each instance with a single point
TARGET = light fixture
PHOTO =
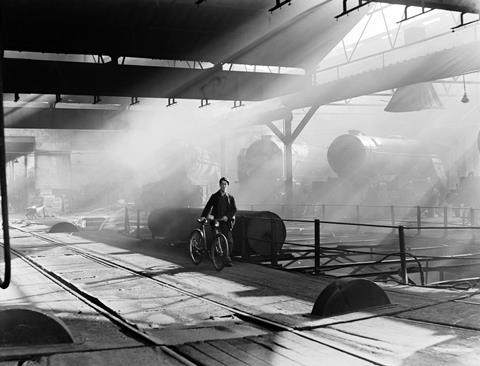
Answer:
(465, 97)
(415, 97)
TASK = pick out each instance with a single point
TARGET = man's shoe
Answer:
(228, 262)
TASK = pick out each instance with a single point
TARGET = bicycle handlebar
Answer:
(204, 220)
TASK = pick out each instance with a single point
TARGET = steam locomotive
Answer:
(368, 168)
(387, 170)
(356, 154)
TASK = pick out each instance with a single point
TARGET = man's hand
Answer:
(224, 218)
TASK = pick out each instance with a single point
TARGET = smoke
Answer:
(165, 144)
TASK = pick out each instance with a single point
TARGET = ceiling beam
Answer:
(77, 78)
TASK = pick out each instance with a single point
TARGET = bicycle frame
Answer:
(217, 248)
(215, 225)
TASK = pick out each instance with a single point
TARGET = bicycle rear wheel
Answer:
(219, 251)
(196, 246)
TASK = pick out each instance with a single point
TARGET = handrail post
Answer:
(472, 216)
(273, 249)
(403, 262)
(357, 209)
(126, 223)
(445, 219)
(323, 211)
(392, 215)
(419, 219)
(317, 246)
(138, 224)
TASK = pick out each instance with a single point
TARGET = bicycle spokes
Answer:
(196, 246)
(219, 252)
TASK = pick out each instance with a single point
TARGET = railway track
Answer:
(134, 329)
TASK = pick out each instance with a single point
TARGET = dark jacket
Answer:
(213, 205)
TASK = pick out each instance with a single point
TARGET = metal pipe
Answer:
(3, 176)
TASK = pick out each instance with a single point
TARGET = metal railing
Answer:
(393, 214)
(324, 258)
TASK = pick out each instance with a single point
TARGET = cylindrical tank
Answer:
(356, 153)
(262, 164)
(262, 158)
(256, 228)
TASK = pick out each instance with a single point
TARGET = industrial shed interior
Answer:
(348, 131)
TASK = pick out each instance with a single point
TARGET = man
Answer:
(221, 206)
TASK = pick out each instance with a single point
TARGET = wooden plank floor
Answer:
(396, 341)
(96, 340)
(435, 326)
(280, 348)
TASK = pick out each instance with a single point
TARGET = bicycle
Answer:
(218, 251)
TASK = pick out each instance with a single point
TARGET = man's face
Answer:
(223, 186)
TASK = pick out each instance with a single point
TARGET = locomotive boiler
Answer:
(358, 155)
(261, 169)
(379, 170)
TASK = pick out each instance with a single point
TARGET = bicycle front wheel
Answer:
(219, 251)
(196, 245)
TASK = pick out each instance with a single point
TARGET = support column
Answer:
(288, 137)
(223, 159)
